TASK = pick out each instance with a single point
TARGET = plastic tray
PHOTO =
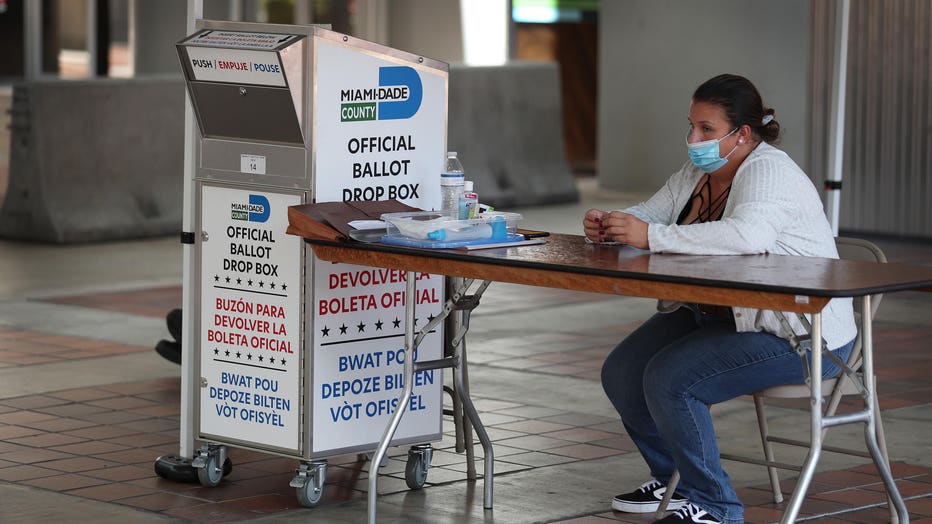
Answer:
(421, 228)
(401, 240)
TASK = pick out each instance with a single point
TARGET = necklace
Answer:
(709, 209)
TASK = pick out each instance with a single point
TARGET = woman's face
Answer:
(708, 122)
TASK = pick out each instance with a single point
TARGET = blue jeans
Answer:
(664, 376)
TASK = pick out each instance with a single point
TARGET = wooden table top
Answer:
(788, 283)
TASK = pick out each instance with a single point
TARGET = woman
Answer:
(737, 195)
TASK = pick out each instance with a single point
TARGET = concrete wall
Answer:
(654, 53)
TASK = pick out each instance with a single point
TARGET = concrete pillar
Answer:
(159, 25)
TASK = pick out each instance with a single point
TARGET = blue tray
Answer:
(399, 240)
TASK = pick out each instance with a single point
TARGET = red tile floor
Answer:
(100, 442)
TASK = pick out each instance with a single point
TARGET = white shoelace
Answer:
(695, 514)
(650, 485)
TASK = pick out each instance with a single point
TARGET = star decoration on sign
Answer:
(216, 351)
(343, 329)
(325, 332)
(216, 278)
(238, 354)
(283, 361)
(272, 360)
(284, 287)
(249, 356)
(261, 284)
(228, 280)
(249, 282)
(261, 358)
(227, 352)
(430, 318)
(396, 322)
(361, 327)
(378, 325)
(239, 281)
(272, 285)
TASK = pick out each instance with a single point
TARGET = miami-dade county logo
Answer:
(398, 96)
(257, 210)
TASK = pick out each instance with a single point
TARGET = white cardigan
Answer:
(772, 208)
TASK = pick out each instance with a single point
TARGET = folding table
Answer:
(791, 284)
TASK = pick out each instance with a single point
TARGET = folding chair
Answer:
(835, 389)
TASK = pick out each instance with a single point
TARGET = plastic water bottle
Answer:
(451, 186)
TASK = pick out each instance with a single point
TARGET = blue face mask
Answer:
(705, 154)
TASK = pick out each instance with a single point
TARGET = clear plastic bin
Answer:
(432, 229)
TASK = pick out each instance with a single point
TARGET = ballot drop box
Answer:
(296, 356)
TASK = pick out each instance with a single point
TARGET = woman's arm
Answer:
(765, 198)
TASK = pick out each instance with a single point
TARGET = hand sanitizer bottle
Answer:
(469, 202)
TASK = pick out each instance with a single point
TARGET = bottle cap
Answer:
(467, 185)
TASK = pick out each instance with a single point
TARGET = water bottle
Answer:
(451, 186)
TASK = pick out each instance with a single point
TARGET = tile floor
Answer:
(99, 443)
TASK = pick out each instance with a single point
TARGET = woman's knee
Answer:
(663, 382)
(621, 381)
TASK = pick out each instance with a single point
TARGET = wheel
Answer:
(415, 471)
(179, 469)
(210, 475)
(175, 468)
(308, 495)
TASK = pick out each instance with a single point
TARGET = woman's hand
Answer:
(622, 227)
(592, 225)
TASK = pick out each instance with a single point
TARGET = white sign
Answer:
(252, 164)
(250, 343)
(236, 66)
(381, 134)
(214, 38)
(381, 129)
(359, 354)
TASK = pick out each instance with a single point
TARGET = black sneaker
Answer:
(169, 350)
(173, 321)
(689, 513)
(646, 499)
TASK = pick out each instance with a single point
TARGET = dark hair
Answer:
(742, 104)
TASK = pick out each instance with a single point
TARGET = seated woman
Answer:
(665, 375)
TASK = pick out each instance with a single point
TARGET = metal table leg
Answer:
(458, 301)
(461, 390)
(402, 400)
(815, 423)
(819, 423)
(873, 408)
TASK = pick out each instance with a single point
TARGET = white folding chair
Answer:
(835, 389)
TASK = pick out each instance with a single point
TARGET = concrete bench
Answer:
(95, 160)
(505, 123)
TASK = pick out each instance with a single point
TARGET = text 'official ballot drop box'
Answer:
(295, 356)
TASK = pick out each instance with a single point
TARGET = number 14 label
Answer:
(252, 164)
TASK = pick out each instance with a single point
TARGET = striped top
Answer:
(773, 208)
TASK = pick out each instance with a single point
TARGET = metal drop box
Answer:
(283, 343)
